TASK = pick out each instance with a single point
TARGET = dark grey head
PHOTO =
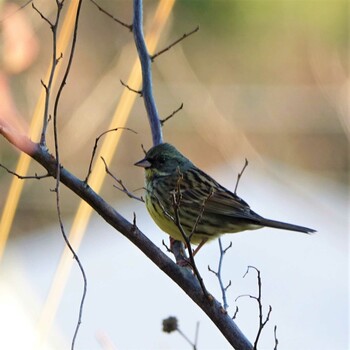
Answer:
(164, 159)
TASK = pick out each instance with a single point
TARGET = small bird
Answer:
(205, 209)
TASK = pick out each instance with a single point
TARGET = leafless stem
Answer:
(75, 256)
(174, 43)
(235, 313)
(218, 273)
(186, 338)
(122, 187)
(35, 176)
(262, 321)
(54, 62)
(166, 246)
(162, 121)
(129, 26)
(200, 215)
(58, 166)
(143, 149)
(139, 92)
(95, 148)
(176, 198)
(52, 25)
(240, 175)
(196, 336)
(275, 336)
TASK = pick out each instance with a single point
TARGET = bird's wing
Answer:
(214, 198)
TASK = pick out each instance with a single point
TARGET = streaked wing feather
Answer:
(216, 199)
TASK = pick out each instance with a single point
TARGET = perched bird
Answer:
(205, 209)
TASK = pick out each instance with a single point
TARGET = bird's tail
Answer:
(285, 226)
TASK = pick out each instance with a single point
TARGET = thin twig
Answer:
(240, 175)
(235, 313)
(122, 187)
(129, 26)
(75, 256)
(200, 215)
(139, 92)
(52, 25)
(262, 322)
(58, 166)
(143, 149)
(95, 148)
(275, 336)
(174, 43)
(54, 62)
(186, 338)
(176, 199)
(21, 177)
(162, 121)
(196, 336)
(218, 273)
(166, 246)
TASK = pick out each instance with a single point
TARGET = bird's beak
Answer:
(144, 163)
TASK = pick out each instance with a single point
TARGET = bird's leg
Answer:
(178, 249)
(200, 245)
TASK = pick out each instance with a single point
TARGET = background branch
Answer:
(146, 65)
(129, 26)
(174, 43)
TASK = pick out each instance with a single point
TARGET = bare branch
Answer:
(196, 336)
(143, 149)
(218, 273)
(166, 246)
(162, 121)
(122, 187)
(52, 25)
(35, 176)
(174, 43)
(75, 256)
(262, 322)
(240, 175)
(54, 62)
(95, 148)
(176, 199)
(235, 313)
(57, 154)
(178, 274)
(129, 26)
(200, 215)
(146, 68)
(139, 92)
(275, 336)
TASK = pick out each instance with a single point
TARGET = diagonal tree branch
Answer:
(184, 278)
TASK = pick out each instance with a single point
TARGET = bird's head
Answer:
(163, 160)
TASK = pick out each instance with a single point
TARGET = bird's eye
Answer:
(161, 160)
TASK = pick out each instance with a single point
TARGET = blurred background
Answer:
(262, 79)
